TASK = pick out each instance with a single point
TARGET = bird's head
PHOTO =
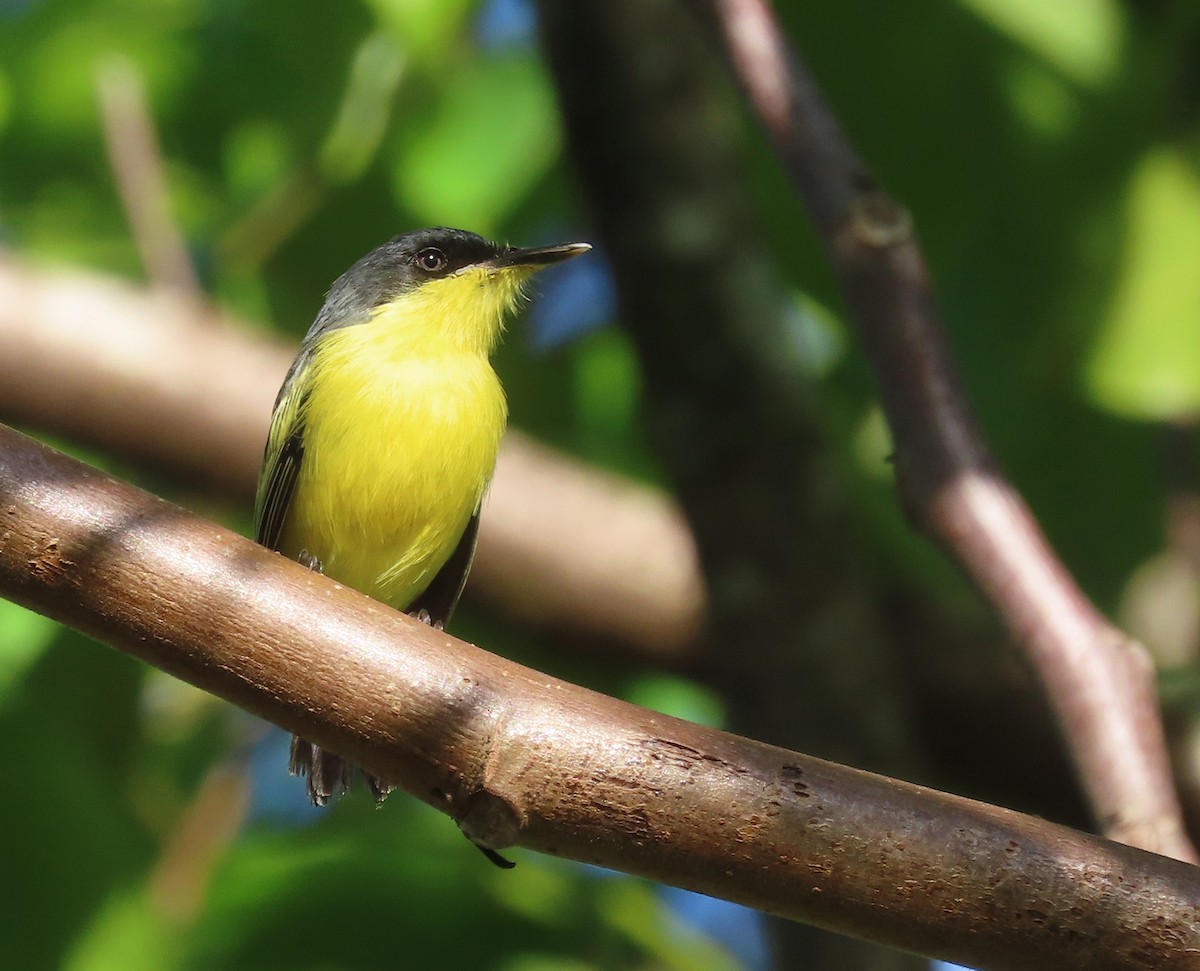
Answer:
(439, 286)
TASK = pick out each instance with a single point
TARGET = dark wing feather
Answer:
(441, 596)
(281, 460)
(278, 489)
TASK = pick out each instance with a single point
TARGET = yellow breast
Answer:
(400, 442)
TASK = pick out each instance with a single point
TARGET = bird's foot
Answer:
(329, 774)
(425, 617)
(379, 788)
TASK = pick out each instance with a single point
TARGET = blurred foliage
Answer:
(1049, 154)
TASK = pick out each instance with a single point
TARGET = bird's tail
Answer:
(328, 774)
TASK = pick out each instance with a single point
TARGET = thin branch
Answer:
(272, 220)
(1099, 680)
(136, 160)
(519, 758)
(159, 379)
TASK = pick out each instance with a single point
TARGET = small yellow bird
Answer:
(385, 432)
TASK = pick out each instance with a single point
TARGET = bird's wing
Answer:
(441, 596)
(281, 461)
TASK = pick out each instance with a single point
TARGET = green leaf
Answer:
(544, 962)
(24, 636)
(375, 76)
(679, 697)
(128, 934)
(6, 101)
(493, 136)
(423, 28)
(70, 837)
(256, 157)
(1083, 39)
(1146, 360)
(634, 909)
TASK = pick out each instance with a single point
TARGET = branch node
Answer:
(489, 819)
(1134, 654)
(878, 221)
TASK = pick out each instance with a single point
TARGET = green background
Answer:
(1048, 152)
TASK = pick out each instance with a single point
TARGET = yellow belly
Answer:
(398, 451)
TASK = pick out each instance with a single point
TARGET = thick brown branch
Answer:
(517, 757)
(152, 377)
(1098, 679)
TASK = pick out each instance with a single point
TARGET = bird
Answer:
(385, 432)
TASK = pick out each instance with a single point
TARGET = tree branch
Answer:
(137, 165)
(1099, 680)
(800, 649)
(519, 758)
(156, 378)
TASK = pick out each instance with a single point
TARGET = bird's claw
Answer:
(310, 562)
(425, 617)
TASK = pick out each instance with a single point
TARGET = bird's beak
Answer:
(537, 257)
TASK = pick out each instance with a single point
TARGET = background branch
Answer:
(520, 758)
(1099, 680)
(137, 165)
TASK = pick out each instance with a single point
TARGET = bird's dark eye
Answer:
(430, 259)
